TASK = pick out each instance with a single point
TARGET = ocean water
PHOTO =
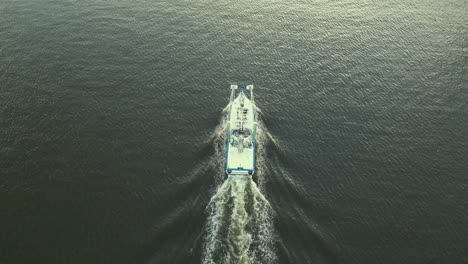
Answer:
(111, 131)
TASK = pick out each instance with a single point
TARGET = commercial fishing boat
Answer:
(240, 138)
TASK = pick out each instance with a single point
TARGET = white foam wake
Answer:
(240, 226)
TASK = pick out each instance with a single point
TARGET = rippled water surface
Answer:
(108, 111)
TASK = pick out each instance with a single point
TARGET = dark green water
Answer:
(107, 107)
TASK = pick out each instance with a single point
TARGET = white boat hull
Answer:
(241, 118)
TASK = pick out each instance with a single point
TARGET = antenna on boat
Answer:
(250, 88)
(233, 89)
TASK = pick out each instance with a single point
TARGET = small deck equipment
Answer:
(241, 129)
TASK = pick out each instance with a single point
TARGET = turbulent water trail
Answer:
(240, 220)
(239, 226)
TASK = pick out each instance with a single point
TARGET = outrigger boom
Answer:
(233, 91)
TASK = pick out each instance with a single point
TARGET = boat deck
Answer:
(240, 154)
